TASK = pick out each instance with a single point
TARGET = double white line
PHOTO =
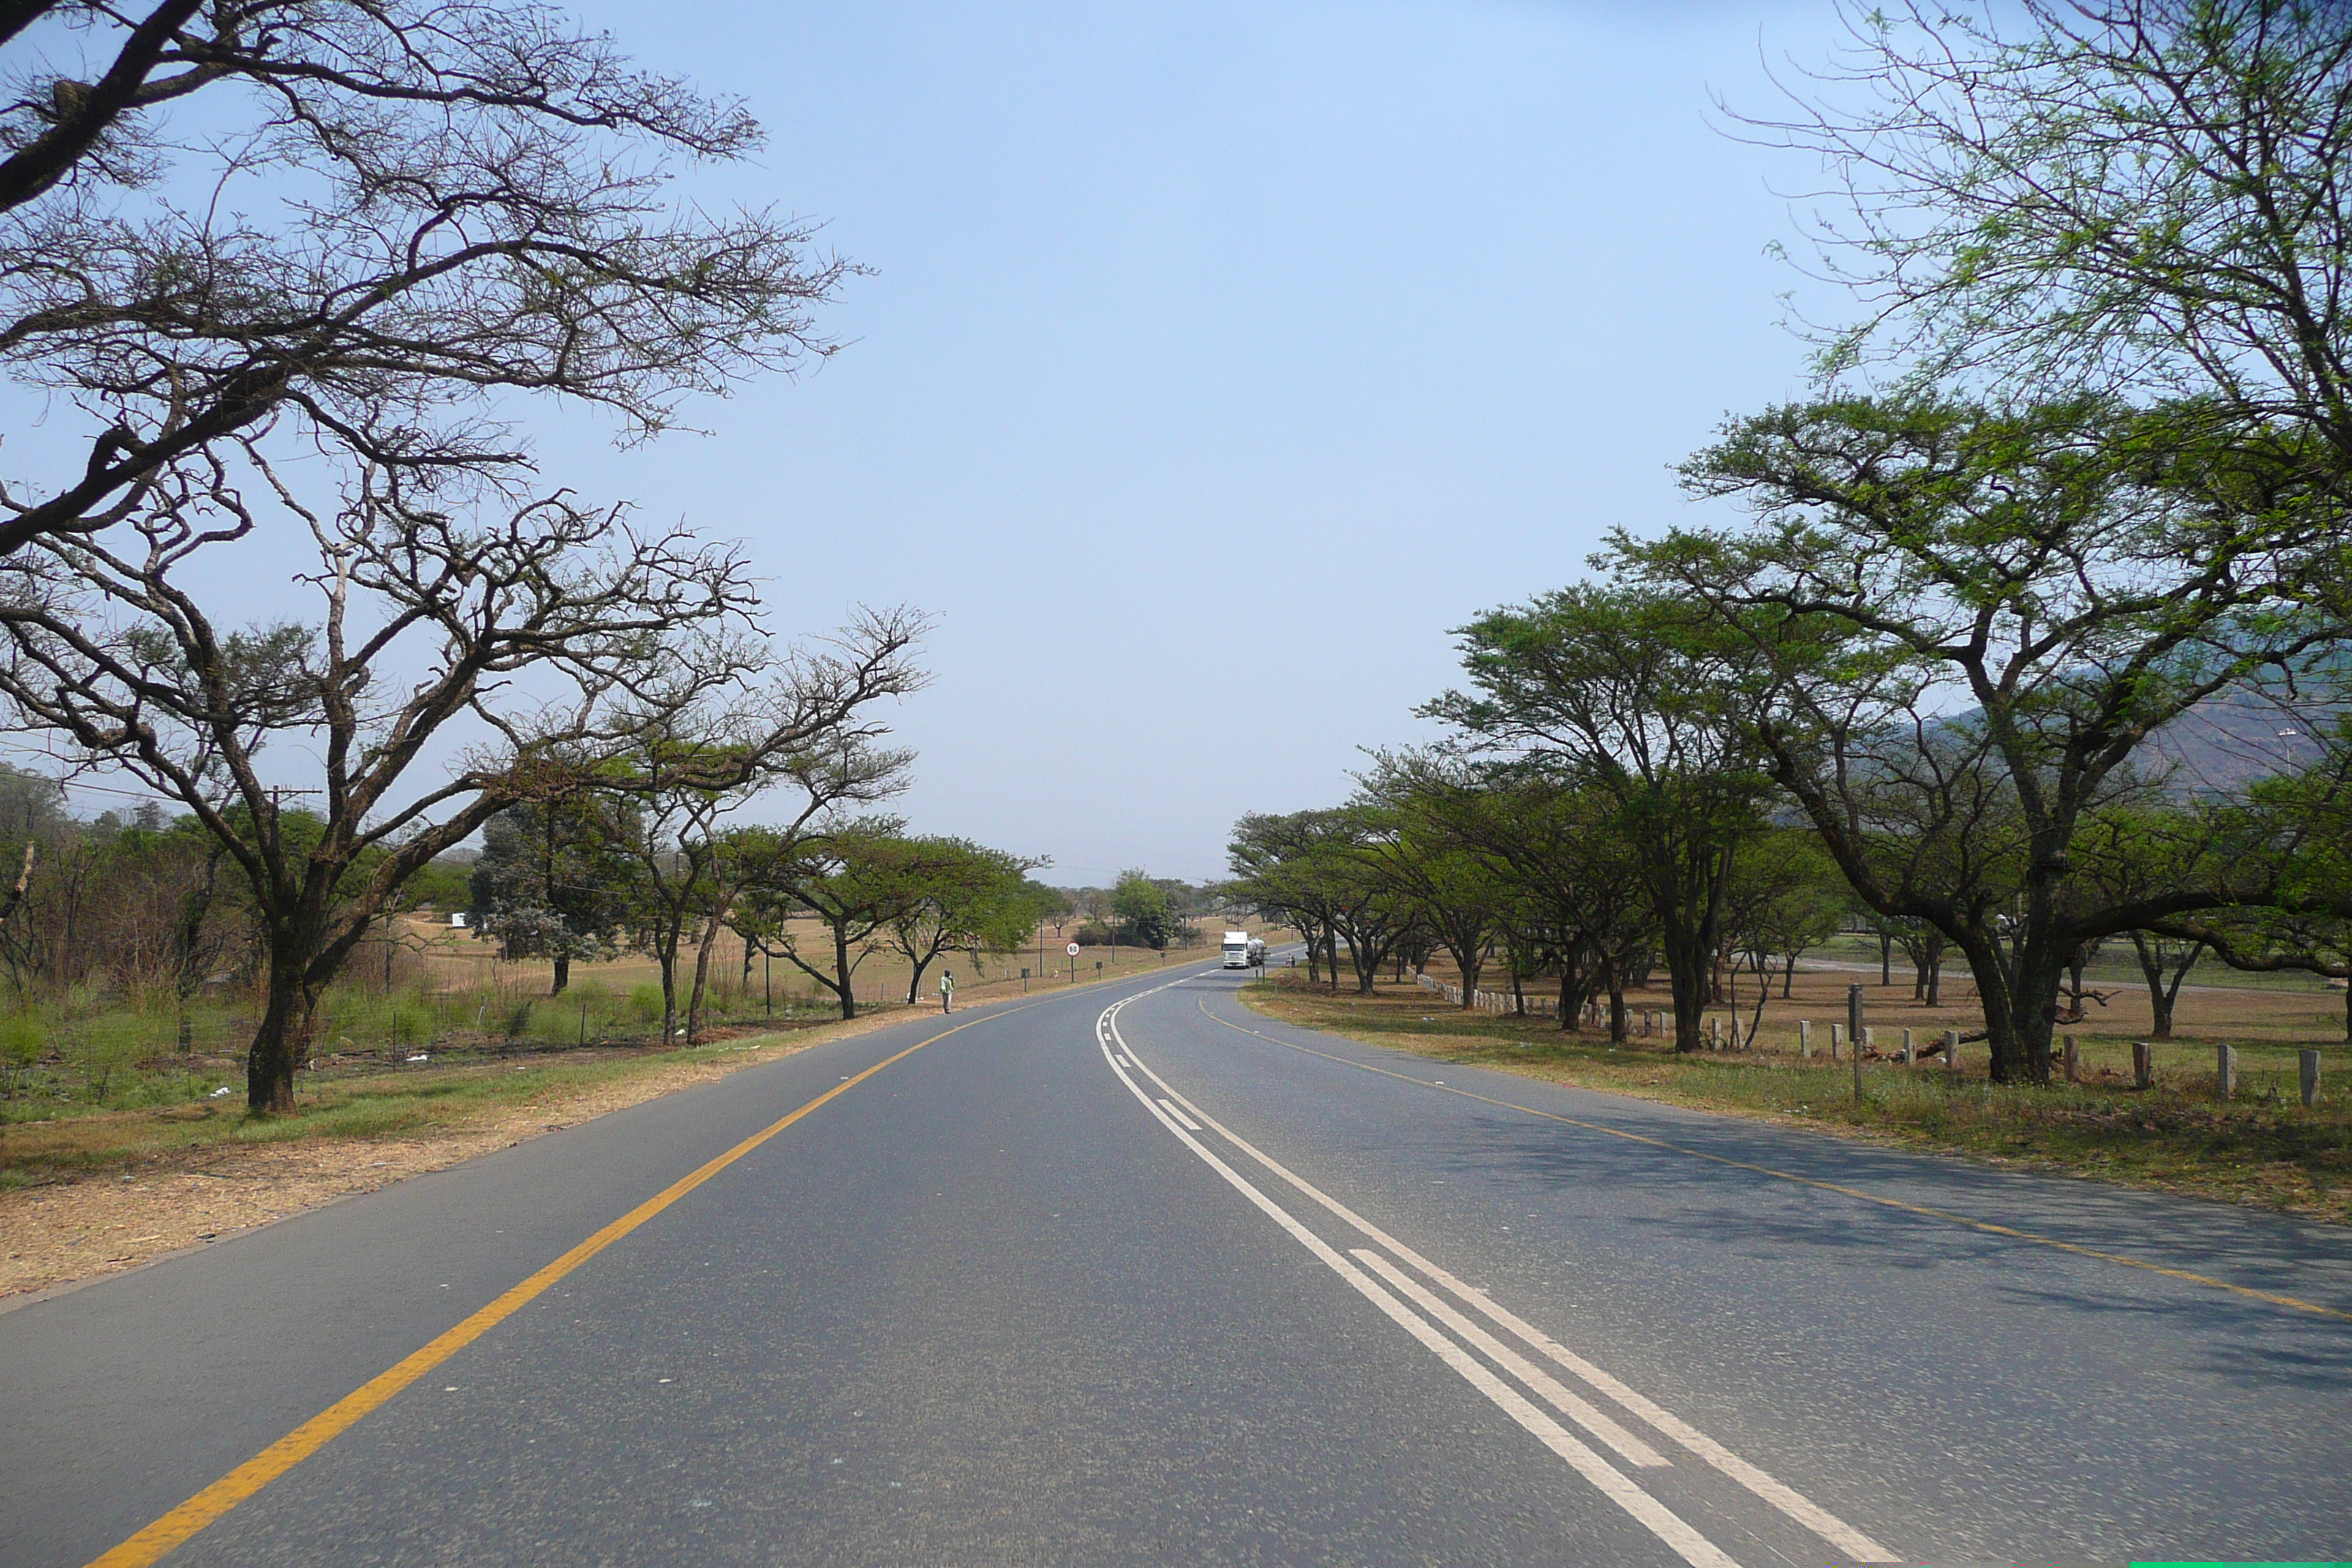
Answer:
(1183, 1119)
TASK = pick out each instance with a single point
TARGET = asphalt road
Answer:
(1175, 1284)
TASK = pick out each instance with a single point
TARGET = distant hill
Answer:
(2230, 740)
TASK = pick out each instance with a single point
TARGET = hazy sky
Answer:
(1218, 359)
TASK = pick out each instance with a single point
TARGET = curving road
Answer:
(1130, 1274)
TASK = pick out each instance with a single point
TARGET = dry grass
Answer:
(2262, 1147)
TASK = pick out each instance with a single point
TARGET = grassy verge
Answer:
(361, 1105)
(2262, 1147)
(170, 1111)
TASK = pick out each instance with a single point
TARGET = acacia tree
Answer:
(2301, 825)
(1271, 857)
(1785, 897)
(2138, 197)
(1625, 691)
(860, 879)
(1972, 619)
(971, 897)
(686, 774)
(1575, 899)
(1414, 803)
(111, 652)
(384, 220)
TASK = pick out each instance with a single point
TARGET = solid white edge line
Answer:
(1686, 1542)
(1631, 1447)
(1853, 1542)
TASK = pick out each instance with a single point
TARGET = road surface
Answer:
(1128, 1274)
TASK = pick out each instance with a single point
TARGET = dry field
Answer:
(2262, 1147)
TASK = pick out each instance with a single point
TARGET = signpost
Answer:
(1074, 963)
(1853, 1035)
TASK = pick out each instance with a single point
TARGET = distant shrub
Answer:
(645, 1002)
(518, 1019)
(24, 1038)
(106, 1048)
(407, 1023)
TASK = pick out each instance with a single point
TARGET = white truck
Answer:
(1244, 951)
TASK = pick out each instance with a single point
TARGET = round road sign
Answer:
(1073, 949)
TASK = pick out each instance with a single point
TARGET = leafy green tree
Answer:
(1413, 811)
(1628, 694)
(970, 898)
(1786, 896)
(1969, 619)
(860, 879)
(2144, 198)
(554, 880)
(1269, 855)
(1142, 909)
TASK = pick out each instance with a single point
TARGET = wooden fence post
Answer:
(2073, 1061)
(1804, 1037)
(1951, 1054)
(2309, 1063)
(2225, 1070)
(2142, 1064)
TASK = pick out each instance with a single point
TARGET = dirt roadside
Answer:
(67, 1232)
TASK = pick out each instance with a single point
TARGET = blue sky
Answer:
(1217, 360)
(1220, 358)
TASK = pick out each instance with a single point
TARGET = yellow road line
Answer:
(2275, 1299)
(166, 1534)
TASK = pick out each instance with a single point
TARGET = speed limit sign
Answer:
(1073, 949)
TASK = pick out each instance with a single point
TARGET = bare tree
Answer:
(392, 213)
(111, 651)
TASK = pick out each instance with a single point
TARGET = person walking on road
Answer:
(947, 990)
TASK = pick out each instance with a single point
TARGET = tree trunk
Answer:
(915, 981)
(2151, 970)
(282, 1039)
(563, 973)
(1690, 981)
(2020, 1005)
(1612, 977)
(665, 945)
(847, 987)
(1885, 958)
(703, 949)
(1468, 959)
